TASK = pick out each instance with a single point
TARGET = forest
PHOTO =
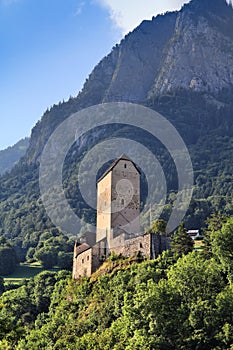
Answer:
(181, 300)
(209, 140)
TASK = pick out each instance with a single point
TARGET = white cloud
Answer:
(128, 14)
(80, 8)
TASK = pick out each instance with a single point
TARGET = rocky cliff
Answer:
(191, 49)
(199, 55)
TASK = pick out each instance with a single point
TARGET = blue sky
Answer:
(48, 48)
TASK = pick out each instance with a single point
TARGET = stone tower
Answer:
(118, 227)
(118, 199)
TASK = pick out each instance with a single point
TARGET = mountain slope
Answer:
(191, 49)
(199, 55)
(179, 64)
(11, 155)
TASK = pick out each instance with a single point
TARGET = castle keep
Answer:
(118, 226)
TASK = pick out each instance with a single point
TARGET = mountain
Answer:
(191, 49)
(11, 155)
(179, 64)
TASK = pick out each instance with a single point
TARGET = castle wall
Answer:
(125, 196)
(96, 258)
(103, 207)
(149, 245)
(131, 247)
(82, 264)
(86, 262)
(159, 243)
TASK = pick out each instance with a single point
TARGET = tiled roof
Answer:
(122, 157)
(81, 248)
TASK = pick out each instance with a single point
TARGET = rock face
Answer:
(139, 60)
(190, 49)
(199, 55)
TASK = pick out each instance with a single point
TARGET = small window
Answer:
(125, 166)
(140, 245)
(88, 258)
(122, 202)
(82, 261)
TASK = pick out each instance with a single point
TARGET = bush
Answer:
(8, 260)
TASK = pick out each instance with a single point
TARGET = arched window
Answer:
(125, 166)
(122, 202)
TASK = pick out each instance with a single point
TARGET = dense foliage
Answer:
(8, 258)
(161, 304)
(22, 215)
(182, 243)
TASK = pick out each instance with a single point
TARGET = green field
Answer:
(25, 271)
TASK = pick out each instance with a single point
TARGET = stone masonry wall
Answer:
(125, 196)
(103, 207)
(131, 247)
(82, 265)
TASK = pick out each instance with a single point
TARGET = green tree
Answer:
(2, 287)
(8, 260)
(222, 246)
(181, 243)
(47, 255)
(159, 226)
(64, 260)
(214, 223)
(44, 284)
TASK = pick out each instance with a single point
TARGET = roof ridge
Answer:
(122, 157)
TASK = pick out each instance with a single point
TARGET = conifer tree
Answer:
(214, 223)
(181, 243)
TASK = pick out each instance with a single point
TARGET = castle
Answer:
(118, 226)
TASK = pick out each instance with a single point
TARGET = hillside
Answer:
(179, 64)
(128, 304)
(11, 155)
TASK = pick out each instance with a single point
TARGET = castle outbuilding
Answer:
(118, 225)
